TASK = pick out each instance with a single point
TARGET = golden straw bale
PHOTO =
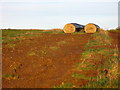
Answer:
(72, 27)
(69, 28)
(91, 28)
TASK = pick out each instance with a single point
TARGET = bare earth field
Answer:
(37, 59)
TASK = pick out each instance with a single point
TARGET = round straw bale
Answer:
(72, 27)
(91, 28)
(69, 28)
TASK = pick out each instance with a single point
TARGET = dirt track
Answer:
(44, 61)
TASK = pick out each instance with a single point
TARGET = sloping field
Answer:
(36, 59)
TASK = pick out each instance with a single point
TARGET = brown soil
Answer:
(41, 62)
(46, 60)
(115, 36)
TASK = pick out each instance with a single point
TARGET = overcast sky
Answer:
(48, 14)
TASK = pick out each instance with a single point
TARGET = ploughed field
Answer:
(53, 59)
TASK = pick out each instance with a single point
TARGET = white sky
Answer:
(59, 0)
(47, 14)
